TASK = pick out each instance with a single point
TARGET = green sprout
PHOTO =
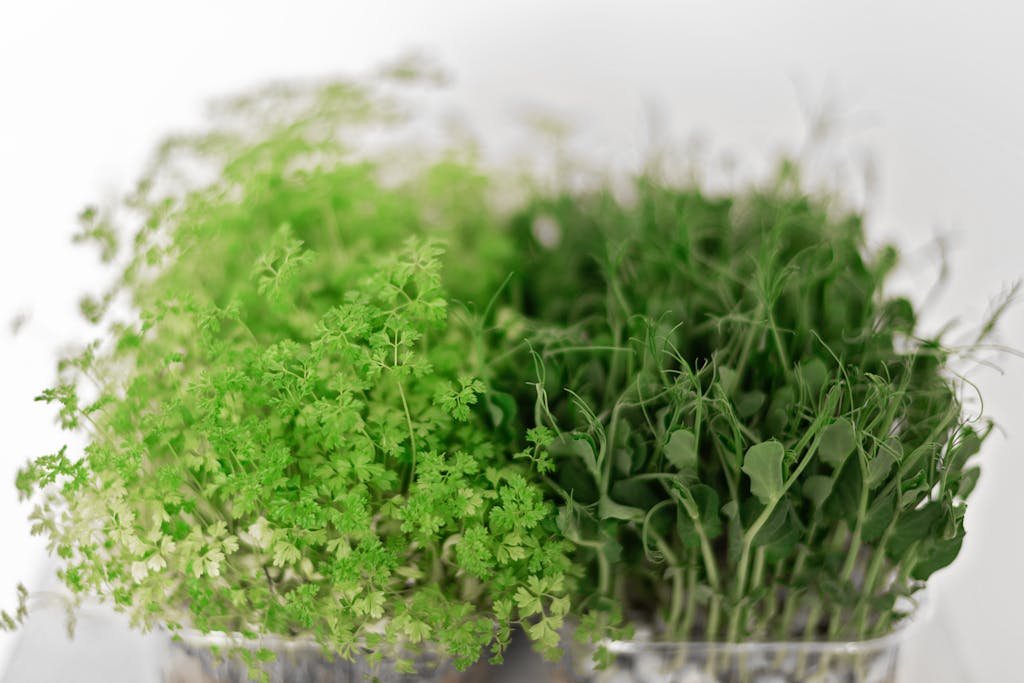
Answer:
(751, 440)
(285, 433)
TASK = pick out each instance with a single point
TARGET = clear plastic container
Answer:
(190, 659)
(869, 661)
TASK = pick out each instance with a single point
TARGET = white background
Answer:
(931, 93)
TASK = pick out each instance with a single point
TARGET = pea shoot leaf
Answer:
(763, 464)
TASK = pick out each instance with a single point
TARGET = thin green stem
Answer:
(412, 434)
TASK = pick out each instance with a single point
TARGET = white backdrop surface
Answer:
(927, 94)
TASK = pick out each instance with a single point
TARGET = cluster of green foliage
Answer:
(290, 425)
(380, 415)
(747, 437)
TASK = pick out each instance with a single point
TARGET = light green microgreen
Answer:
(286, 435)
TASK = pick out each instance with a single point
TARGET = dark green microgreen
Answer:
(752, 438)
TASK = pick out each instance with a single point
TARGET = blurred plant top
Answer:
(18, 321)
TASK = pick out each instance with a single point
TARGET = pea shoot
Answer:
(748, 438)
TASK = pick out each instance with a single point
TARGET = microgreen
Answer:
(751, 439)
(286, 434)
(376, 414)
